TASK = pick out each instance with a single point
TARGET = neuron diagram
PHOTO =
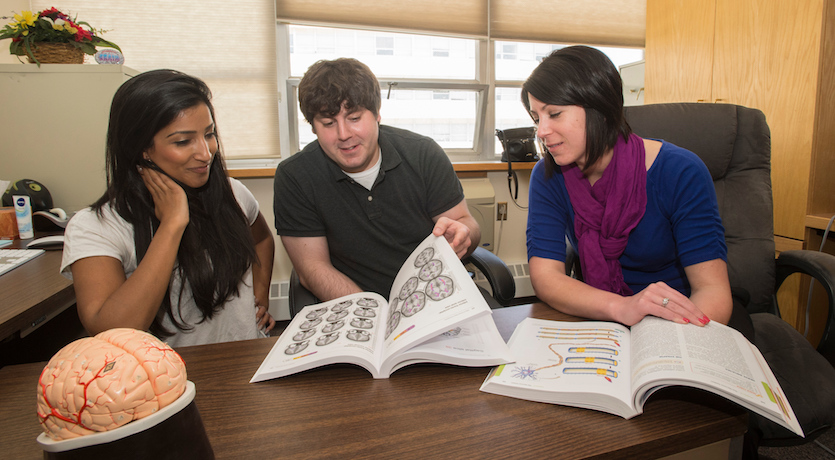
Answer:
(587, 352)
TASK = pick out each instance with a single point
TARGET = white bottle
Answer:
(23, 212)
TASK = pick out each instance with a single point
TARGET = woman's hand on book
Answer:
(660, 300)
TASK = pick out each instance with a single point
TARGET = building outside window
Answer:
(432, 85)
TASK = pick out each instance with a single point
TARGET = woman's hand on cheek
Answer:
(170, 201)
(662, 301)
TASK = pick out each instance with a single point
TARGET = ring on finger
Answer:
(665, 301)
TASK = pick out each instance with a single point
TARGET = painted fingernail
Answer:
(704, 320)
(686, 320)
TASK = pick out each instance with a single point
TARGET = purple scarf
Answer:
(605, 213)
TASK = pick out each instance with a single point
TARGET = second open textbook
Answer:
(435, 313)
(608, 367)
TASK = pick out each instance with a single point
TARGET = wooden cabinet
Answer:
(773, 55)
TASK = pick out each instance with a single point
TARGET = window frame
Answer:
(483, 145)
(484, 84)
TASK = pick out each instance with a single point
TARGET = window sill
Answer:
(462, 168)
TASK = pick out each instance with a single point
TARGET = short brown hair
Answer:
(328, 85)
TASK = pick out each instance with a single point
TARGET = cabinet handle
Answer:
(700, 100)
(718, 100)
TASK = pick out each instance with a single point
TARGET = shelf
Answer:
(818, 221)
(462, 167)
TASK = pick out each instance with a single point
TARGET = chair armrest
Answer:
(497, 274)
(820, 266)
(299, 297)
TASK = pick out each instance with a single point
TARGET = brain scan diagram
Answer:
(365, 312)
(337, 316)
(424, 257)
(358, 335)
(439, 288)
(365, 302)
(327, 339)
(362, 323)
(334, 326)
(310, 324)
(295, 347)
(324, 325)
(432, 282)
(317, 313)
(431, 270)
(409, 287)
(413, 304)
(394, 316)
(303, 335)
(342, 306)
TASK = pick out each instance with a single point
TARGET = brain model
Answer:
(101, 383)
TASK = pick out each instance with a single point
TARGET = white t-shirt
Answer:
(87, 235)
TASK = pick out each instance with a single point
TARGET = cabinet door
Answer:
(679, 50)
(766, 56)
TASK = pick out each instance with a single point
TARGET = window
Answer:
(515, 61)
(433, 85)
(240, 70)
(428, 83)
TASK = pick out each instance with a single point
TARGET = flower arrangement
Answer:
(50, 26)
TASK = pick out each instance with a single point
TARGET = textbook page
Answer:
(715, 357)
(432, 293)
(575, 364)
(473, 343)
(343, 330)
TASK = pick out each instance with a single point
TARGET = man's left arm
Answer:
(459, 227)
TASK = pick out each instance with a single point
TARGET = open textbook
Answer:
(606, 367)
(435, 313)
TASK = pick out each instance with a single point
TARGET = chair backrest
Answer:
(735, 144)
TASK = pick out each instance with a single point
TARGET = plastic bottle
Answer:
(23, 212)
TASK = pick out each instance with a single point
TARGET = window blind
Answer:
(595, 22)
(457, 17)
(230, 45)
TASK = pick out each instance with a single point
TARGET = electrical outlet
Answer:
(501, 210)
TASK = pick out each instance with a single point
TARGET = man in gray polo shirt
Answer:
(351, 206)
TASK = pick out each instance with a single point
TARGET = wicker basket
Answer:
(56, 53)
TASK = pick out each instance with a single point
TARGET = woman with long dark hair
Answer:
(173, 246)
(641, 213)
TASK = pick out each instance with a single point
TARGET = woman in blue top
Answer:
(641, 213)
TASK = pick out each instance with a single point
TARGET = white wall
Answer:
(9, 8)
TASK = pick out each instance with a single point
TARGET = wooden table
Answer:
(422, 411)
(33, 293)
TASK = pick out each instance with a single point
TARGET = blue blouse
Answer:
(681, 225)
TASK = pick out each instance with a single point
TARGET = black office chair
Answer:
(735, 144)
(498, 276)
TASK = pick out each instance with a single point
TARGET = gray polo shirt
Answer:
(370, 233)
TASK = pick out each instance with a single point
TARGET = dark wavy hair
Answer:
(217, 248)
(585, 77)
(327, 85)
